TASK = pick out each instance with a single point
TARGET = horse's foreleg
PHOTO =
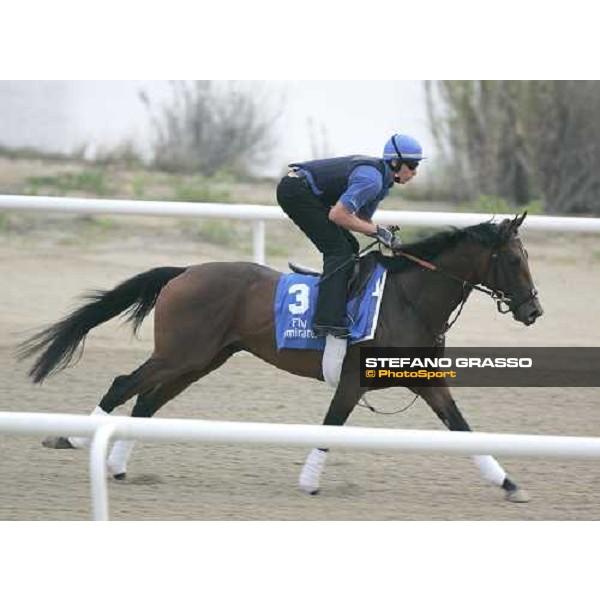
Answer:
(342, 404)
(442, 403)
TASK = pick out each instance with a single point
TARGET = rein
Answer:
(510, 304)
(467, 288)
(496, 295)
(431, 267)
(355, 258)
(364, 404)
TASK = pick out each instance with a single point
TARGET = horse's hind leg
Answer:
(149, 403)
(150, 374)
(441, 402)
(344, 400)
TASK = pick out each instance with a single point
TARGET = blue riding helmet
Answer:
(403, 147)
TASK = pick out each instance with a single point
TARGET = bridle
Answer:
(511, 303)
(467, 287)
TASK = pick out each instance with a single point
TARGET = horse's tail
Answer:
(137, 296)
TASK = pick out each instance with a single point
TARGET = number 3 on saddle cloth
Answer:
(295, 301)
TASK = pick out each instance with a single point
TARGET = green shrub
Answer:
(491, 204)
(218, 232)
(498, 205)
(414, 234)
(273, 249)
(535, 207)
(138, 184)
(188, 192)
(91, 181)
(125, 154)
(31, 153)
(99, 224)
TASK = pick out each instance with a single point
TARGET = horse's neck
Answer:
(435, 296)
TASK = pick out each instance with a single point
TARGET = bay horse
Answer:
(206, 313)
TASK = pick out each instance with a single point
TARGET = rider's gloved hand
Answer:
(387, 238)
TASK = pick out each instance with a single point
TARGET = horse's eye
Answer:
(514, 260)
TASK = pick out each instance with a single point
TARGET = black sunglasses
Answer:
(411, 164)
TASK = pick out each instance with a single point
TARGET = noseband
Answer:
(512, 304)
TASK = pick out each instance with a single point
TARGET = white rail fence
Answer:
(103, 430)
(258, 215)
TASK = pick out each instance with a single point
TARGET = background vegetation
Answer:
(210, 127)
(501, 146)
(519, 141)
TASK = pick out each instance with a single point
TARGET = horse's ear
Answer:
(515, 223)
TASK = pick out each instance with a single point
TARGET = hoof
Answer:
(120, 476)
(58, 443)
(517, 495)
(309, 489)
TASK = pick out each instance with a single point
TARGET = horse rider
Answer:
(330, 198)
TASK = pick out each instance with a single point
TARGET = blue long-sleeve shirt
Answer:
(366, 189)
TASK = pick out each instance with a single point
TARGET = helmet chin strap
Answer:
(398, 164)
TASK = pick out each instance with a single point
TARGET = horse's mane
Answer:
(487, 234)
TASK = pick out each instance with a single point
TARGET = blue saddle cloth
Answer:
(295, 302)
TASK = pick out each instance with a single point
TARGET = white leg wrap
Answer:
(82, 442)
(311, 471)
(119, 456)
(333, 359)
(490, 469)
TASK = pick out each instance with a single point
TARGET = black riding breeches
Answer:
(337, 245)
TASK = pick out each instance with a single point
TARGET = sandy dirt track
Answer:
(41, 278)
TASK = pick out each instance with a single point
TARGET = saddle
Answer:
(362, 309)
(302, 270)
(363, 268)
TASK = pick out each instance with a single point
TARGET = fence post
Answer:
(258, 235)
(98, 474)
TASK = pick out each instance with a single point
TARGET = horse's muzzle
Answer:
(528, 312)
